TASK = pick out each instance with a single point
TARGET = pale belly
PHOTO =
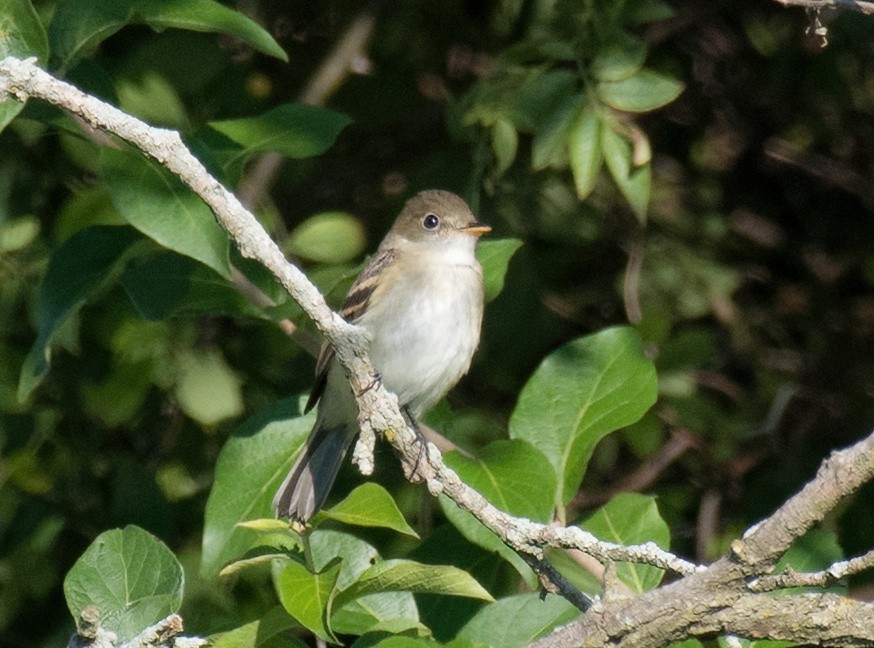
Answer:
(429, 342)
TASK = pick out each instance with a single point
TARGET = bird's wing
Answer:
(352, 309)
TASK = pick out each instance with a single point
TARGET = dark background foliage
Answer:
(751, 282)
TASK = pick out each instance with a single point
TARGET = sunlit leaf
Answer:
(494, 256)
(513, 476)
(584, 150)
(252, 464)
(78, 27)
(161, 207)
(580, 393)
(410, 576)
(627, 519)
(307, 596)
(645, 91)
(370, 505)
(130, 576)
(294, 130)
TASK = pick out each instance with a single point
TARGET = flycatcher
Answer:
(421, 301)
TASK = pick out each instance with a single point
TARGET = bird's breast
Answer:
(425, 330)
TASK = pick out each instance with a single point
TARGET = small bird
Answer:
(420, 298)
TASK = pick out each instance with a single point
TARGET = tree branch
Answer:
(725, 597)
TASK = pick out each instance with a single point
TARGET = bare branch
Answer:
(841, 475)
(824, 578)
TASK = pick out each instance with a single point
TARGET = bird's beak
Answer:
(476, 228)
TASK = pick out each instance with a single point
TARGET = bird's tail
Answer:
(306, 487)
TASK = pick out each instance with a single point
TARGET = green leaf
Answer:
(130, 576)
(328, 237)
(367, 612)
(620, 59)
(76, 270)
(634, 183)
(207, 389)
(494, 256)
(505, 142)
(161, 207)
(580, 393)
(642, 92)
(293, 130)
(411, 576)
(78, 27)
(630, 518)
(307, 596)
(549, 147)
(167, 285)
(370, 505)
(513, 476)
(584, 150)
(269, 630)
(516, 621)
(21, 35)
(252, 464)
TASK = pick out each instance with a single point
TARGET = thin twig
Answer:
(831, 576)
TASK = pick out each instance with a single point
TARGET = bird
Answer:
(420, 300)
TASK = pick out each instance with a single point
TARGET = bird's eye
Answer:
(430, 221)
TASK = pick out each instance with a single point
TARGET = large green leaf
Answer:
(494, 256)
(645, 91)
(410, 576)
(513, 476)
(633, 182)
(370, 505)
(294, 130)
(249, 469)
(130, 576)
(307, 596)
(630, 518)
(77, 269)
(517, 621)
(580, 393)
(21, 35)
(161, 207)
(78, 27)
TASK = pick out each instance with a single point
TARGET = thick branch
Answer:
(841, 475)
(724, 598)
